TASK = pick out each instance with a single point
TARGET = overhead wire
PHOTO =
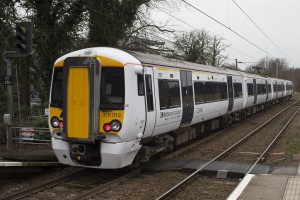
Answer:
(220, 23)
(183, 23)
(242, 52)
(264, 33)
(200, 30)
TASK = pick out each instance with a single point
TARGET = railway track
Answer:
(101, 188)
(78, 183)
(100, 184)
(192, 177)
(42, 186)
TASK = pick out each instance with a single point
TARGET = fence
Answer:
(30, 138)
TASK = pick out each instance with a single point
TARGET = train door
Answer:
(286, 88)
(149, 101)
(81, 98)
(255, 91)
(187, 97)
(276, 86)
(230, 93)
(267, 90)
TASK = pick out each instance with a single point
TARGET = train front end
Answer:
(87, 109)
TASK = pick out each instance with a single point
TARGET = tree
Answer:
(109, 20)
(200, 47)
(7, 19)
(193, 46)
(268, 68)
(55, 29)
(216, 47)
(268, 65)
(143, 36)
(64, 26)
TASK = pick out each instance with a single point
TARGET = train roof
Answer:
(124, 57)
(159, 60)
(245, 74)
(109, 54)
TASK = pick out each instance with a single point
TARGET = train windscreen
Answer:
(112, 88)
(57, 88)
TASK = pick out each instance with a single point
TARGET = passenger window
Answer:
(199, 92)
(140, 83)
(263, 89)
(148, 81)
(174, 94)
(250, 89)
(209, 91)
(238, 92)
(224, 90)
(163, 95)
(169, 93)
(217, 91)
(258, 88)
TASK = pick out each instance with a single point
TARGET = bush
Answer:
(41, 122)
(38, 110)
(42, 136)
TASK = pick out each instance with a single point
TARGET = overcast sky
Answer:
(278, 19)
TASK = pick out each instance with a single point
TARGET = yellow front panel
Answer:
(78, 103)
(107, 117)
(55, 112)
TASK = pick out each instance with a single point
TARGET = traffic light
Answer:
(23, 44)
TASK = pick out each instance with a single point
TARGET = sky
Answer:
(278, 35)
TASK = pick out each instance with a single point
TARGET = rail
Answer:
(202, 167)
(91, 193)
(42, 186)
(271, 144)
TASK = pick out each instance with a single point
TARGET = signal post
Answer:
(23, 48)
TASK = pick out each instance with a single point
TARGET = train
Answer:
(111, 108)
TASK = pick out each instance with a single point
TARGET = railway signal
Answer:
(23, 48)
(23, 44)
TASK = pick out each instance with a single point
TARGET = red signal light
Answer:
(61, 124)
(106, 127)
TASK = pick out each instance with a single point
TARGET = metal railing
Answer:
(30, 136)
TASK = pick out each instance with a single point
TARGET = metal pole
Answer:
(294, 87)
(277, 66)
(19, 103)
(9, 105)
(293, 74)
(236, 64)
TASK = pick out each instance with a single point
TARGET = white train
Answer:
(108, 106)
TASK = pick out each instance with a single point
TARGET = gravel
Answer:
(152, 185)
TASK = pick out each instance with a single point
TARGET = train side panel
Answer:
(168, 97)
(261, 90)
(210, 96)
(237, 82)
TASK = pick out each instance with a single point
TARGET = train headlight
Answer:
(115, 125)
(55, 122)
